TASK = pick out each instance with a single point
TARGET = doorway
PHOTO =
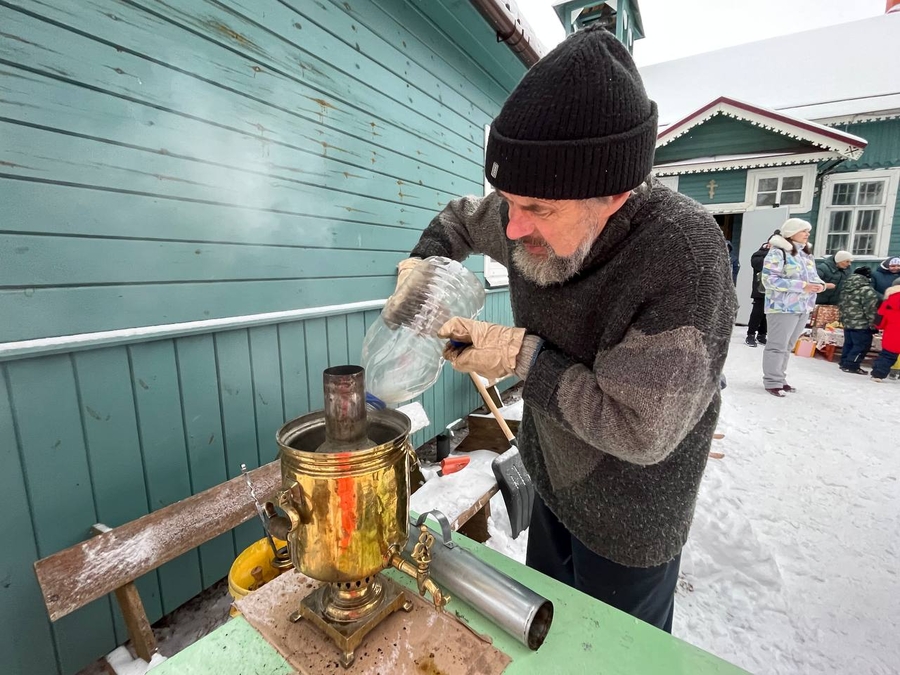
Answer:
(730, 223)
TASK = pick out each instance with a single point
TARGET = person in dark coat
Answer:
(886, 274)
(735, 262)
(756, 327)
(858, 305)
(834, 270)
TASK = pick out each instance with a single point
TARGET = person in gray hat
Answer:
(624, 306)
(834, 270)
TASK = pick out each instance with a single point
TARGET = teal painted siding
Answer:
(222, 159)
(883, 150)
(725, 136)
(731, 186)
(127, 430)
(163, 163)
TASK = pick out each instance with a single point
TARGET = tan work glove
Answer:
(491, 350)
(404, 267)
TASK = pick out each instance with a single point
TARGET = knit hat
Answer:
(578, 125)
(865, 271)
(842, 256)
(793, 226)
(893, 261)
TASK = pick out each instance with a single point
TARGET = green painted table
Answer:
(586, 637)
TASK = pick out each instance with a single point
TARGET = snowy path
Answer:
(793, 556)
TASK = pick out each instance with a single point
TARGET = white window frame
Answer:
(495, 274)
(807, 171)
(670, 182)
(883, 242)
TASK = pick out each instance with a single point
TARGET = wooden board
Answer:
(422, 641)
(485, 434)
(81, 573)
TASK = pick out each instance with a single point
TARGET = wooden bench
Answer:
(114, 558)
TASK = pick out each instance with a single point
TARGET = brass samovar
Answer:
(345, 479)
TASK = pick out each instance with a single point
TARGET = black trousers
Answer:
(757, 324)
(646, 593)
(883, 364)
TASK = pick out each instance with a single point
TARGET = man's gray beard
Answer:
(552, 269)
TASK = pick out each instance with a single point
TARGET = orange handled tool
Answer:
(452, 465)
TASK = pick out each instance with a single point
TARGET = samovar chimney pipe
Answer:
(345, 409)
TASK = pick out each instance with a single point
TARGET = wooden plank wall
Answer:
(176, 161)
(165, 162)
(108, 435)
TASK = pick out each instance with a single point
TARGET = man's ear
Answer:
(613, 203)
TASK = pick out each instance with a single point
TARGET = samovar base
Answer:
(348, 635)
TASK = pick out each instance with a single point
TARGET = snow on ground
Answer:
(793, 553)
(123, 663)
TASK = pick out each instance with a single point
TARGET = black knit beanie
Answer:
(578, 125)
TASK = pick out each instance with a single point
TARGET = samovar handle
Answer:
(287, 500)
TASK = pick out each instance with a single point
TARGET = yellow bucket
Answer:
(241, 580)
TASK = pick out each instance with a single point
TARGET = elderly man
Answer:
(834, 270)
(624, 304)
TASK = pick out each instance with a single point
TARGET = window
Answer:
(856, 212)
(787, 186)
(670, 182)
(495, 274)
(780, 191)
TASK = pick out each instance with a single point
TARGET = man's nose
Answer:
(518, 226)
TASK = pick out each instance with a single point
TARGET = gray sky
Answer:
(678, 29)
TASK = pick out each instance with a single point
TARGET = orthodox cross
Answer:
(712, 185)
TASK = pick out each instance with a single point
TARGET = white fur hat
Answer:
(843, 256)
(792, 226)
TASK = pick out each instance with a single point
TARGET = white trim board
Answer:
(751, 162)
(11, 351)
(68, 343)
(495, 274)
(731, 207)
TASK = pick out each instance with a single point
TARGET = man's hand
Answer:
(829, 286)
(490, 350)
(404, 267)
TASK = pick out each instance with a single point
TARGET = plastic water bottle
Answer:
(402, 353)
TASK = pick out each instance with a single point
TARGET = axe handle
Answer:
(479, 385)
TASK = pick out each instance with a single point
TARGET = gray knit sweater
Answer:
(621, 405)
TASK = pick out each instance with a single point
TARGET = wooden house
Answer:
(808, 124)
(202, 204)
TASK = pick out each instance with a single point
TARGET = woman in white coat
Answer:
(791, 281)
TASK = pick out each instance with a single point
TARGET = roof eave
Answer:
(744, 162)
(818, 135)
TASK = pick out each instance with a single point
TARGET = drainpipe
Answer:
(512, 28)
